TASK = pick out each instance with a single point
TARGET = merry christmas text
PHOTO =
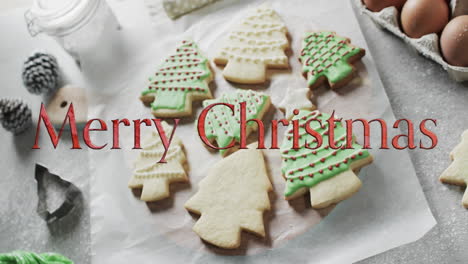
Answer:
(241, 142)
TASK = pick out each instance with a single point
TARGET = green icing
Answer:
(222, 125)
(182, 73)
(296, 163)
(23, 257)
(324, 54)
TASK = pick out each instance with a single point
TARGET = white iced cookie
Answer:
(232, 198)
(457, 172)
(254, 45)
(177, 8)
(153, 177)
(296, 98)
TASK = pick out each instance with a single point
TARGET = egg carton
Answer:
(427, 45)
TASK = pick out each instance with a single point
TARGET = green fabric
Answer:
(23, 257)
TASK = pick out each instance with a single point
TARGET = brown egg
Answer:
(422, 17)
(378, 5)
(454, 41)
(461, 8)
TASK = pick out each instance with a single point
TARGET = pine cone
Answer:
(40, 73)
(15, 115)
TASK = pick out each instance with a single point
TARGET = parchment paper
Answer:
(388, 211)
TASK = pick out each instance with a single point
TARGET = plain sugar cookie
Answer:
(457, 172)
(232, 198)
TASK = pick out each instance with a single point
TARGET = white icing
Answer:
(253, 41)
(259, 38)
(176, 8)
(256, 59)
(153, 150)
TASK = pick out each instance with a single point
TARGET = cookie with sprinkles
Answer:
(153, 177)
(181, 79)
(222, 125)
(327, 173)
(328, 57)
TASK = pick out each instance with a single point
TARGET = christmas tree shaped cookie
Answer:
(457, 172)
(325, 172)
(326, 56)
(296, 98)
(254, 45)
(232, 198)
(222, 125)
(153, 177)
(181, 79)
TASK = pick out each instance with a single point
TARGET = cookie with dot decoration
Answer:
(222, 124)
(326, 57)
(153, 177)
(181, 79)
(328, 174)
(177, 8)
(457, 172)
(254, 45)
